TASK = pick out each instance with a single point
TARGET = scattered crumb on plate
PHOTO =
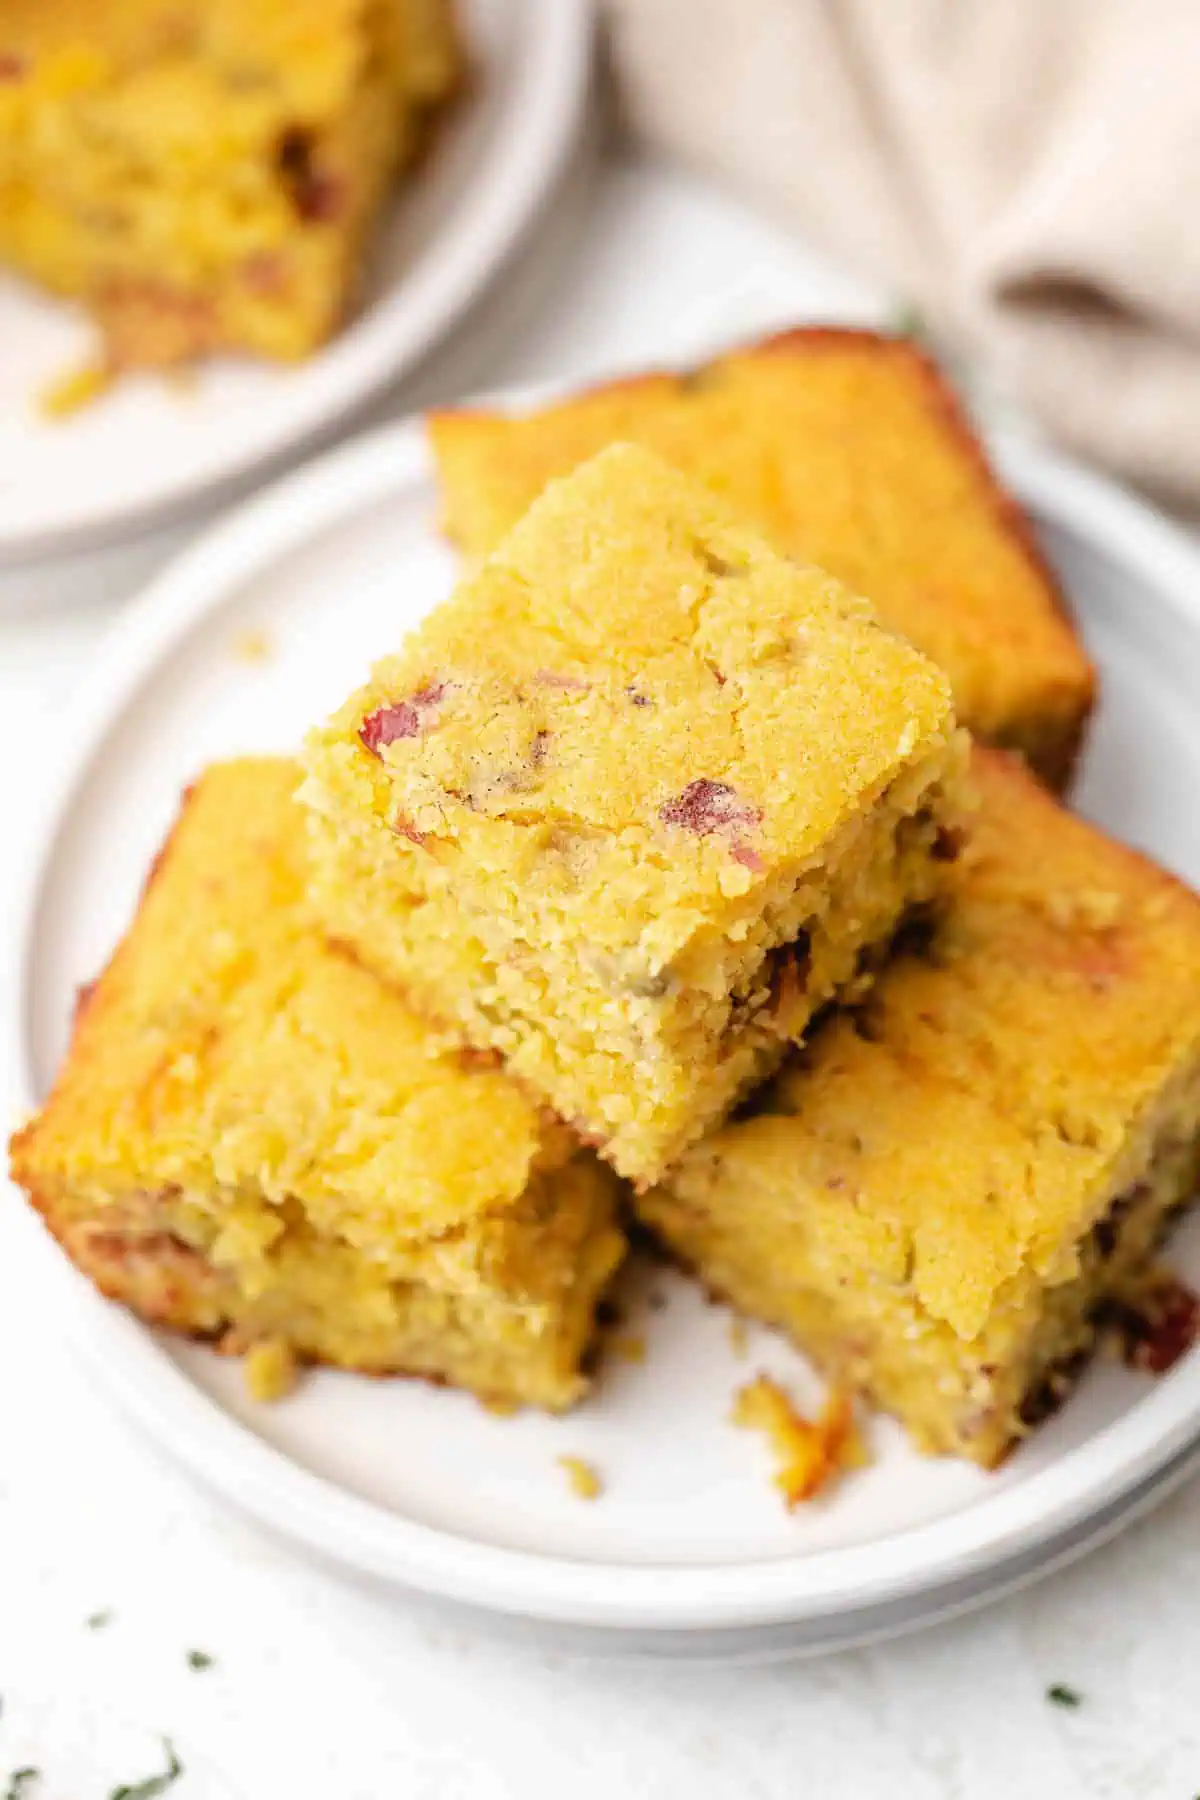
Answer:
(629, 1346)
(79, 387)
(501, 1408)
(738, 1337)
(583, 1476)
(252, 647)
(270, 1369)
(810, 1453)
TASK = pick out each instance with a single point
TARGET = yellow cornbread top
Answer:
(636, 712)
(227, 1046)
(848, 450)
(253, 52)
(970, 1119)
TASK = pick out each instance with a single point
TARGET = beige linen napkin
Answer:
(1026, 171)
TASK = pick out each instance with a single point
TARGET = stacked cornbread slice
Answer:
(635, 803)
(959, 1183)
(253, 1141)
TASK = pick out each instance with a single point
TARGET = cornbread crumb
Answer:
(270, 1369)
(629, 1346)
(71, 392)
(811, 1453)
(253, 647)
(501, 1407)
(583, 1477)
(738, 1337)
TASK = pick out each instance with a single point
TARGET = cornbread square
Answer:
(633, 803)
(253, 1140)
(204, 175)
(953, 1189)
(849, 450)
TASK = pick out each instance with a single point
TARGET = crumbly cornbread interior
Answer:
(252, 1138)
(631, 804)
(941, 1195)
(848, 450)
(204, 175)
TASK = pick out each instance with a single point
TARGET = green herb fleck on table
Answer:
(18, 1781)
(153, 1785)
(98, 1620)
(199, 1659)
(1062, 1695)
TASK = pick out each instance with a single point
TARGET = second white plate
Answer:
(150, 449)
(689, 1544)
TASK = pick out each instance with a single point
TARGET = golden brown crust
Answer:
(111, 1277)
(937, 1192)
(251, 1138)
(982, 599)
(1012, 518)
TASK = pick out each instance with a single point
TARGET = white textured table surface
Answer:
(322, 1689)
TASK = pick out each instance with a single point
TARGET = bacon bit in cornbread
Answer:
(401, 719)
(404, 827)
(1162, 1328)
(149, 324)
(270, 1370)
(707, 806)
(317, 194)
(266, 272)
(583, 1477)
(811, 1454)
(70, 393)
(947, 844)
(629, 1346)
(12, 66)
(252, 647)
(749, 859)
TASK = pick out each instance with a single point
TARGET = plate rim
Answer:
(548, 97)
(335, 1523)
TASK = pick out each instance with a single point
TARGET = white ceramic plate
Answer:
(150, 449)
(689, 1547)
